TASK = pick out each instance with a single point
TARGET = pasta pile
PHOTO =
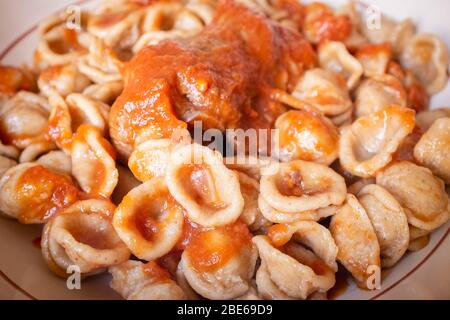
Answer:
(356, 178)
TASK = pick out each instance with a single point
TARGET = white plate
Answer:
(23, 273)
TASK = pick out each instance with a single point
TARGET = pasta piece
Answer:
(356, 240)
(219, 263)
(301, 186)
(250, 165)
(82, 235)
(6, 164)
(104, 92)
(334, 57)
(14, 79)
(251, 214)
(377, 93)
(276, 216)
(56, 161)
(356, 39)
(427, 56)
(134, 280)
(32, 194)
(374, 58)
(101, 65)
(149, 220)
(418, 238)
(418, 98)
(33, 151)
(150, 159)
(306, 136)
(23, 120)
(195, 175)
(422, 195)
(368, 145)
(433, 149)
(117, 25)
(9, 151)
(324, 90)
(389, 222)
(64, 79)
(290, 271)
(322, 24)
(357, 186)
(426, 119)
(342, 120)
(93, 162)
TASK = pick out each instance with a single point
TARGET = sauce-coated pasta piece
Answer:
(219, 263)
(368, 145)
(82, 235)
(64, 79)
(300, 186)
(134, 280)
(200, 182)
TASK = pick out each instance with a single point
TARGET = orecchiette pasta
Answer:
(149, 220)
(288, 269)
(421, 194)
(374, 58)
(433, 149)
(300, 186)
(6, 164)
(64, 79)
(150, 159)
(82, 235)
(31, 193)
(334, 56)
(378, 92)
(325, 90)
(427, 56)
(93, 162)
(367, 146)
(389, 222)
(219, 263)
(356, 240)
(425, 119)
(306, 136)
(137, 281)
(56, 161)
(195, 174)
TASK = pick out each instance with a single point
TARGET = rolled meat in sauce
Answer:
(220, 77)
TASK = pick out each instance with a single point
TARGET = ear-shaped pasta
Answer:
(356, 240)
(306, 136)
(433, 149)
(149, 220)
(104, 92)
(425, 119)
(374, 58)
(9, 151)
(150, 159)
(134, 280)
(64, 79)
(300, 186)
(93, 162)
(250, 165)
(13, 79)
(293, 271)
(56, 161)
(6, 164)
(325, 90)
(31, 193)
(118, 26)
(377, 93)
(322, 24)
(427, 56)
(101, 65)
(60, 46)
(421, 194)
(277, 216)
(334, 57)
(219, 263)
(357, 186)
(356, 39)
(82, 235)
(251, 214)
(33, 151)
(389, 222)
(195, 175)
(368, 145)
(23, 120)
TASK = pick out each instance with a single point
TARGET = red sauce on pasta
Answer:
(210, 250)
(279, 234)
(41, 193)
(156, 273)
